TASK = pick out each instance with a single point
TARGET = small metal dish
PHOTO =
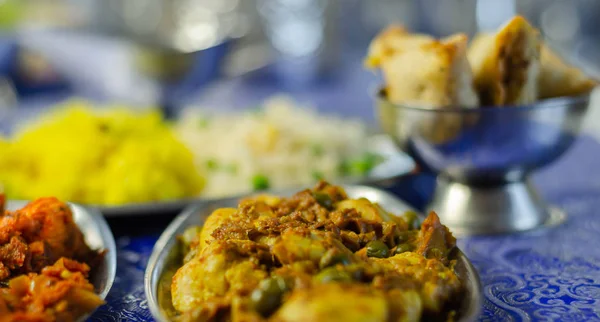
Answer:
(98, 236)
(484, 158)
(165, 258)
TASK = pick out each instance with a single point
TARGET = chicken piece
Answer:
(362, 221)
(506, 64)
(239, 309)
(257, 209)
(334, 302)
(61, 292)
(222, 269)
(435, 240)
(52, 222)
(436, 282)
(218, 225)
(369, 211)
(242, 310)
(268, 199)
(12, 256)
(336, 193)
(208, 311)
(300, 245)
(216, 219)
(38, 235)
(557, 78)
(404, 305)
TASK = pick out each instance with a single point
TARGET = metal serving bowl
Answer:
(98, 236)
(166, 259)
(483, 158)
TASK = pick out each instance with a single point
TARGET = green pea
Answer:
(266, 298)
(403, 248)
(203, 122)
(317, 175)
(212, 164)
(317, 149)
(260, 182)
(377, 248)
(231, 168)
(404, 236)
(323, 199)
(360, 166)
(332, 259)
(412, 219)
(344, 168)
(332, 274)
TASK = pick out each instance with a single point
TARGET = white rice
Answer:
(289, 145)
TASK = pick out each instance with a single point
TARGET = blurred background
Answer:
(173, 53)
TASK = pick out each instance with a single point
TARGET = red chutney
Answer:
(44, 264)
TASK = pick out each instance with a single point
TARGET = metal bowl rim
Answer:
(107, 237)
(111, 246)
(554, 102)
(110, 257)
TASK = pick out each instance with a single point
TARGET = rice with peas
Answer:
(276, 146)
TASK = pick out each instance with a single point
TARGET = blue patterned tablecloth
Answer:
(546, 275)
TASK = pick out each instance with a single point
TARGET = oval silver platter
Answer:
(98, 236)
(164, 260)
(396, 164)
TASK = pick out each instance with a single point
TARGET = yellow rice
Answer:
(106, 157)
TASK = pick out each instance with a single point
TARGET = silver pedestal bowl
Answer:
(483, 158)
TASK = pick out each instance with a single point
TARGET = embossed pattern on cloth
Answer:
(543, 276)
(126, 300)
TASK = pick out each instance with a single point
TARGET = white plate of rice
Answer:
(281, 145)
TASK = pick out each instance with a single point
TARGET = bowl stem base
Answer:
(472, 210)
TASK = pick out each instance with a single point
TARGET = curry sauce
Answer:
(317, 256)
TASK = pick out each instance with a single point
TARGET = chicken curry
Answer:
(317, 256)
